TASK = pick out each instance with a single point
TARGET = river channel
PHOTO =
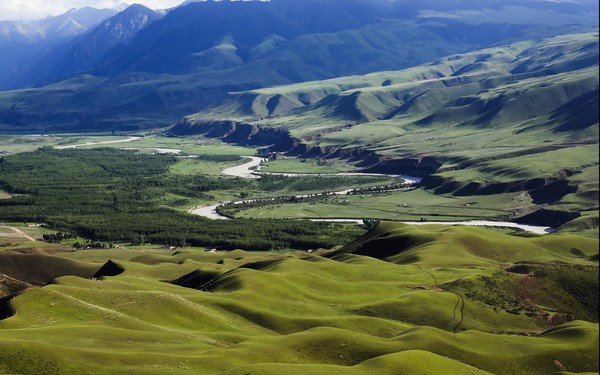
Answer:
(251, 169)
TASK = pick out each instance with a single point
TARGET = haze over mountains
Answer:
(84, 51)
(138, 69)
(73, 22)
(25, 42)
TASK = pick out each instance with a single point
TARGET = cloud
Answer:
(36, 9)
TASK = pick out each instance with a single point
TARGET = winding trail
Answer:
(251, 170)
(20, 233)
(461, 301)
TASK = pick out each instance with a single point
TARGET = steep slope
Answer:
(22, 44)
(42, 269)
(84, 52)
(198, 53)
(521, 118)
(487, 88)
(75, 21)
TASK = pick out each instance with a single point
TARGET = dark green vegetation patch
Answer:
(115, 195)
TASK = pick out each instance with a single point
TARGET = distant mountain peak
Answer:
(124, 25)
(69, 27)
(84, 9)
(121, 7)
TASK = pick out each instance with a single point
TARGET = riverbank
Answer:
(251, 170)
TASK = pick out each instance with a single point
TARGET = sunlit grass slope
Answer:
(435, 299)
(507, 119)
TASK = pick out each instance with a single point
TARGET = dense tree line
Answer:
(57, 237)
(380, 189)
(115, 195)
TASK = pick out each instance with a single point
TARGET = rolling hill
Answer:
(444, 298)
(520, 117)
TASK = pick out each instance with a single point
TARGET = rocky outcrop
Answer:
(241, 133)
(417, 166)
(10, 286)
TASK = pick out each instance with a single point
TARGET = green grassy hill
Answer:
(520, 118)
(522, 85)
(446, 299)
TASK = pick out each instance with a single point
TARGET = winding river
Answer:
(251, 169)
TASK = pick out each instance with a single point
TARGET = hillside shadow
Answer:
(7, 308)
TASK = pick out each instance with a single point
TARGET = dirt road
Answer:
(17, 233)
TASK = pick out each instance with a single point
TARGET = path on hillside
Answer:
(18, 233)
(251, 170)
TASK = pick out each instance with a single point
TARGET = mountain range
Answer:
(83, 51)
(24, 42)
(71, 23)
(141, 69)
(478, 97)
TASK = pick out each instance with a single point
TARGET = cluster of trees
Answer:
(89, 244)
(379, 189)
(309, 183)
(369, 224)
(109, 195)
(57, 237)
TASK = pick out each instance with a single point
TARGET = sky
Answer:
(36, 9)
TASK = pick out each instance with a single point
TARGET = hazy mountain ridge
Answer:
(69, 24)
(447, 84)
(85, 51)
(23, 43)
(168, 46)
(190, 59)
